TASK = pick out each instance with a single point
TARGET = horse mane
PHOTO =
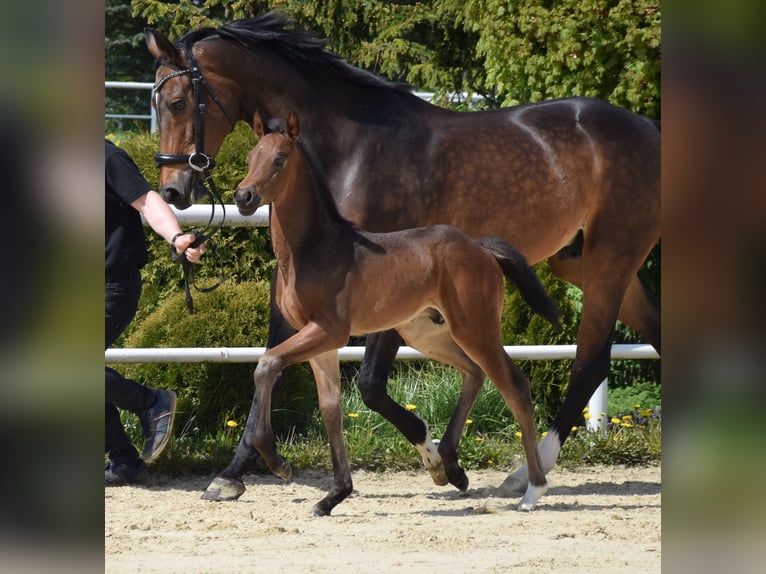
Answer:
(297, 45)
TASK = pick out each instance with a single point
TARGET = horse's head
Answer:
(195, 113)
(266, 164)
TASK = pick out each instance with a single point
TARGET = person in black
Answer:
(128, 197)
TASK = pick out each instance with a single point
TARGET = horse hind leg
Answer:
(378, 359)
(228, 485)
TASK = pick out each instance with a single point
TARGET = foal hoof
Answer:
(531, 497)
(224, 489)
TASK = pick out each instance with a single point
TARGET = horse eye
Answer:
(279, 161)
(179, 105)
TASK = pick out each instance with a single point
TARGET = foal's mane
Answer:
(332, 207)
(275, 30)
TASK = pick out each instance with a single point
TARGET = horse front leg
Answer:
(327, 375)
(228, 484)
(379, 355)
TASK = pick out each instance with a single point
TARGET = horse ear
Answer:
(258, 125)
(292, 126)
(160, 47)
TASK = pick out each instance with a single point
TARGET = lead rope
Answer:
(201, 237)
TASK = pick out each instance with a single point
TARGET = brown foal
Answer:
(441, 290)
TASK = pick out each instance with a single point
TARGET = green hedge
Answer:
(210, 394)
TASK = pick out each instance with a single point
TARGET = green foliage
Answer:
(508, 52)
(125, 59)
(536, 50)
(622, 400)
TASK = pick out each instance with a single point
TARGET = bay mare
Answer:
(439, 289)
(575, 181)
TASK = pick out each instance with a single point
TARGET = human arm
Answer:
(164, 222)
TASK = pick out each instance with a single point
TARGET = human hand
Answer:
(181, 244)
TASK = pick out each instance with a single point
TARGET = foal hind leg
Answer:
(515, 389)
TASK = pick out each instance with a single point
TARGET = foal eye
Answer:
(279, 161)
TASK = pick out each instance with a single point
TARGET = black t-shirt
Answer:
(125, 242)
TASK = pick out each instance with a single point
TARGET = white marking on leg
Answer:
(549, 449)
(432, 460)
(531, 497)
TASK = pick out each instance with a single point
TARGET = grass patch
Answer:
(491, 438)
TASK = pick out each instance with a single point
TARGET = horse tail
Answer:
(516, 268)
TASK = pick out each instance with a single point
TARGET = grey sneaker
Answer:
(119, 474)
(157, 424)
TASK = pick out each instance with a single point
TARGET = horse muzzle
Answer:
(246, 200)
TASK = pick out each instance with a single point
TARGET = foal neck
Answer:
(303, 213)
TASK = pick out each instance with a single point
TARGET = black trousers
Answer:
(122, 293)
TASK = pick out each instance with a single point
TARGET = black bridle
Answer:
(199, 162)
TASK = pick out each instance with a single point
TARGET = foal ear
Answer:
(258, 125)
(292, 126)
(160, 47)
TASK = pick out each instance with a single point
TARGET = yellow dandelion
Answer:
(586, 409)
(468, 421)
(587, 416)
(574, 429)
(490, 462)
(627, 425)
(637, 406)
(646, 412)
(353, 415)
(517, 434)
(410, 407)
(545, 433)
(616, 421)
(479, 439)
(627, 418)
(231, 423)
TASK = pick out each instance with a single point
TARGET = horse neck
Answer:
(301, 215)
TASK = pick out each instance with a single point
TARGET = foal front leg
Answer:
(311, 340)
(327, 375)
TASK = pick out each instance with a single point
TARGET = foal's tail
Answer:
(516, 268)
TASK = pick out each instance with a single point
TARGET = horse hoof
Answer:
(515, 485)
(438, 475)
(462, 482)
(318, 510)
(285, 471)
(224, 489)
(531, 497)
